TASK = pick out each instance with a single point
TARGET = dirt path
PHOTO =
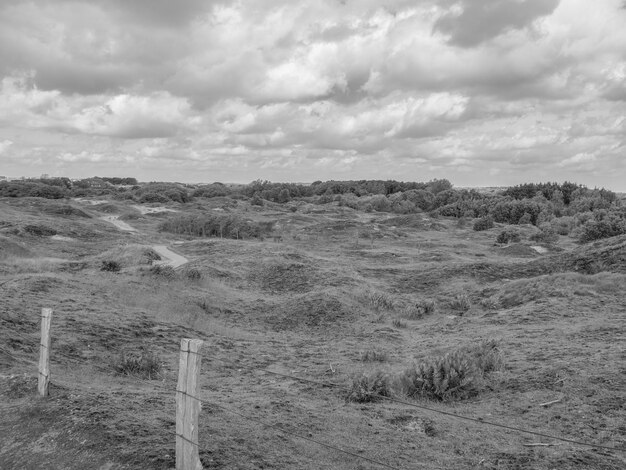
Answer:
(172, 259)
(114, 219)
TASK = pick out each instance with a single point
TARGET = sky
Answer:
(481, 92)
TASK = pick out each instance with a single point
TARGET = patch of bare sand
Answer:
(114, 219)
(152, 210)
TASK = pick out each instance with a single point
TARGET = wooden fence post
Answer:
(44, 352)
(187, 405)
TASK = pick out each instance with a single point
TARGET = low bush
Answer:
(545, 235)
(163, 271)
(369, 388)
(145, 364)
(153, 197)
(453, 376)
(508, 236)
(212, 225)
(110, 266)
(193, 274)
(39, 230)
(484, 223)
(563, 225)
(149, 256)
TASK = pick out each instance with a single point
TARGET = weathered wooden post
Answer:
(44, 353)
(188, 405)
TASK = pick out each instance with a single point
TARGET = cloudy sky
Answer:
(482, 92)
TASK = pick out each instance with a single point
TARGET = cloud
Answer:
(468, 23)
(4, 145)
(126, 116)
(303, 90)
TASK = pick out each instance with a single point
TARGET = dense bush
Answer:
(40, 230)
(153, 197)
(30, 188)
(110, 266)
(212, 190)
(546, 235)
(163, 271)
(604, 224)
(508, 236)
(212, 225)
(484, 223)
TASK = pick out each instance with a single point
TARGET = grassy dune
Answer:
(369, 301)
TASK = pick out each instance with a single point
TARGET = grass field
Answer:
(369, 301)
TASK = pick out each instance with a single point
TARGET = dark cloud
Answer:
(481, 20)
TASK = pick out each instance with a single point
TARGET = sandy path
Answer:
(114, 219)
(172, 259)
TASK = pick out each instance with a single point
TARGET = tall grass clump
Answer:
(145, 364)
(453, 376)
(419, 309)
(461, 303)
(373, 356)
(379, 300)
(369, 388)
(456, 375)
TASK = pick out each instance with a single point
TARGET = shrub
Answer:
(153, 197)
(563, 225)
(145, 364)
(380, 203)
(460, 302)
(163, 271)
(150, 256)
(453, 376)
(604, 225)
(111, 266)
(369, 388)
(40, 230)
(525, 219)
(193, 274)
(507, 236)
(484, 223)
(212, 225)
(545, 235)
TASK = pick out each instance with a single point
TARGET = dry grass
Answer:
(144, 363)
(374, 356)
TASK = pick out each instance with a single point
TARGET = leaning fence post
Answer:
(44, 352)
(188, 405)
